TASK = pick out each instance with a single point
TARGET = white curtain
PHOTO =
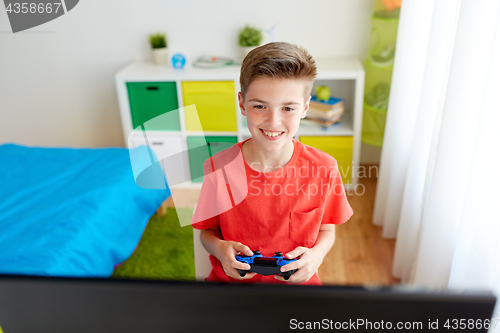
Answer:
(439, 188)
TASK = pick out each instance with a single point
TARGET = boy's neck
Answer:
(264, 161)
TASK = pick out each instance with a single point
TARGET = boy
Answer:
(295, 193)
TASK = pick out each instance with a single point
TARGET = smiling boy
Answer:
(295, 193)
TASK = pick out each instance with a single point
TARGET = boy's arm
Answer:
(226, 252)
(210, 238)
(311, 258)
(325, 241)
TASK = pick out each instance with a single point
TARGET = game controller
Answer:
(265, 265)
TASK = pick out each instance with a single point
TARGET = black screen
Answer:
(29, 304)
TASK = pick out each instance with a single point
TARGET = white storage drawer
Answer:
(170, 153)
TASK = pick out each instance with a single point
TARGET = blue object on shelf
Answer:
(178, 61)
(331, 101)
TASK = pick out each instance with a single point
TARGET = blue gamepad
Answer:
(266, 265)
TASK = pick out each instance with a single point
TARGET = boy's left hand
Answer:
(307, 265)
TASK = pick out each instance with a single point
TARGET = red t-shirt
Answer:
(272, 211)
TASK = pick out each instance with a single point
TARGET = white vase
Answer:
(244, 50)
(160, 56)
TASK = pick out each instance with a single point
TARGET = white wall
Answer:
(57, 79)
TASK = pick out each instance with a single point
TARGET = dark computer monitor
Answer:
(37, 304)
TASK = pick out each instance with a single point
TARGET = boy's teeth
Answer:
(272, 133)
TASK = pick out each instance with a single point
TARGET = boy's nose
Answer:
(274, 118)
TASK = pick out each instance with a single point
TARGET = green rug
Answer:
(165, 251)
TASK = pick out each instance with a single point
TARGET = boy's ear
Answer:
(240, 102)
(306, 108)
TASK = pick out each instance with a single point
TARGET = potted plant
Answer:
(159, 46)
(249, 38)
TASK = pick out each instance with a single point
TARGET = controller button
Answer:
(256, 252)
(278, 254)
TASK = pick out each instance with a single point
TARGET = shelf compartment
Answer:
(150, 100)
(168, 151)
(339, 147)
(201, 148)
(215, 104)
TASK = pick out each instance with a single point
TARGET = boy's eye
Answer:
(258, 106)
(288, 109)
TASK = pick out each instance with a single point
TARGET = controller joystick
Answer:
(266, 265)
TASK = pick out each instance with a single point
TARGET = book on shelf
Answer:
(331, 127)
(313, 123)
(323, 122)
(331, 104)
(323, 119)
(325, 114)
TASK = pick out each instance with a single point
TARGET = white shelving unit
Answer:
(344, 76)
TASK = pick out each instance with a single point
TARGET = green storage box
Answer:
(201, 148)
(149, 100)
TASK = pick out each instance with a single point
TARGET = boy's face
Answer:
(273, 108)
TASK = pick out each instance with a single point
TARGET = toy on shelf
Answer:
(272, 32)
(323, 93)
(214, 62)
(178, 61)
(391, 5)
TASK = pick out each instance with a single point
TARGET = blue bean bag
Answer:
(74, 212)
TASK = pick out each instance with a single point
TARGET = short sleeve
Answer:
(199, 219)
(210, 223)
(204, 216)
(337, 208)
(224, 186)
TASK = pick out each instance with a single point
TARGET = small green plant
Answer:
(250, 36)
(158, 40)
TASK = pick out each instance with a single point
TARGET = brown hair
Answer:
(278, 60)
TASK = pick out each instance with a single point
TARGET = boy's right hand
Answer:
(227, 256)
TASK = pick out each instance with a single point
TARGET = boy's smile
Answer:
(272, 135)
(273, 108)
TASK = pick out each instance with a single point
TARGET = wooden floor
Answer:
(360, 256)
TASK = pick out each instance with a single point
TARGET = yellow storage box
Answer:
(215, 103)
(340, 147)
